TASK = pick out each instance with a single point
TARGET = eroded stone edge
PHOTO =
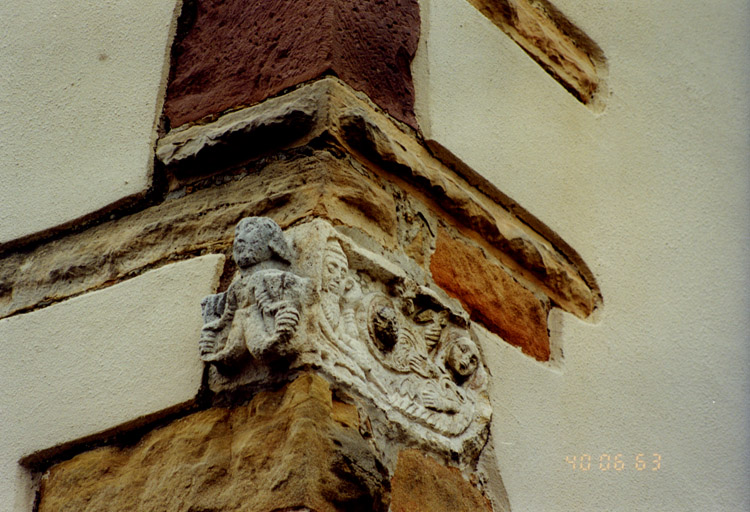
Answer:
(556, 44)
(374, 137)
(201, 222)
(198, 223)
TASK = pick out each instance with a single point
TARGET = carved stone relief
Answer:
(312, 298)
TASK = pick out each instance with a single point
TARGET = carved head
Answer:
(335, 268)
(384, 325)
(462, 357)
(258, 239)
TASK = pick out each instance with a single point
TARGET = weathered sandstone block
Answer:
(348, 122)
(274, 44)
(491, 295)
(293, 449)
(289, 189)
(421, 484)
(554, 42)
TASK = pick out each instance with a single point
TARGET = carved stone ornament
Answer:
(312, 298)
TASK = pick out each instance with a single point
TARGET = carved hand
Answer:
(287, 318)
(352, 292)
(431, 399)
(207, 342)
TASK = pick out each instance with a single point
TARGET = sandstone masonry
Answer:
(352, 267)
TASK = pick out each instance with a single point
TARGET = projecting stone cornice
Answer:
(325, 151)
(330, 111)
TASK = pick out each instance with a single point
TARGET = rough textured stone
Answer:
(288, 190)
(491, 295)
(244, 134)
(537, 254)
(370, 175)
(235, 53)
(553, 41)
(421, 484)
(374, 177)
(286, 450)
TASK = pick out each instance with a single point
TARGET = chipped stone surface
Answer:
(369, 176)
(376, 140)
(491, 295)
(320, 185)
(421, 484)
(314, 299)
(276, 44)
(293, 449)
(275, 123)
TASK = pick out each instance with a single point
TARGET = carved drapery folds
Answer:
(312, 298)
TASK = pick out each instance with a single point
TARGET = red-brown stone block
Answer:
(232, 53)
(491, 295)
(421, 484)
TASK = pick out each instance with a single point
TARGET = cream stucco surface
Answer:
(93, 362)
(80, 85)
(654, 194)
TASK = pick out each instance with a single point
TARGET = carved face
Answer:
(463, 358)
(385, 326)
(251, 247)
(334, 272)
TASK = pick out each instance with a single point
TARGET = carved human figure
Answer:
(261, 307)
(373, 332)
(460, 361)
(403, 344)
(339, 295)
(462, 358)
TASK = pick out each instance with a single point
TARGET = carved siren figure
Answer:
(260, 311)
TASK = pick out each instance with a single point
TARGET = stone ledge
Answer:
(549, 38)
(334, 112)
(197, 223)
(355, 168)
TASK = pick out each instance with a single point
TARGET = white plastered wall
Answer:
(654, 194)
(97, 361)
(80, 86)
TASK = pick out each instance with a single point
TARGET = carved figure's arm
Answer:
(214, 333)
(351, 299)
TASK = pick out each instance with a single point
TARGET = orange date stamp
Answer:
(615, 462)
